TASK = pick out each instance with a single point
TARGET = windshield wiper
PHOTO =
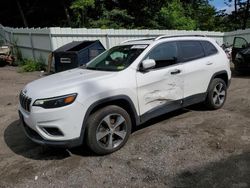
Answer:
(101, 69)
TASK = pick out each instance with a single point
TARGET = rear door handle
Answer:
(209, 63)
(177, 71)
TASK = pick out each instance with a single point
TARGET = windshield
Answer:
(117, 58)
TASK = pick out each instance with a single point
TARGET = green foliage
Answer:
(173, 16)
(114, 19)
(223, 22)
(82, 4)
(16, 52)
(129, 14)
(204, 15)
(80, 8)
(30, 65)
(145, 14)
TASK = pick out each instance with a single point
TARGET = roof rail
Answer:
(170, 36)
(138, 39)
(161, 37)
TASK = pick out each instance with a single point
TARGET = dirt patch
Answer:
(187, 148)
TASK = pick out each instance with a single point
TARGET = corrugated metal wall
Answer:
(112, 37)
(33, 42)
(39, 42)
(229, 36)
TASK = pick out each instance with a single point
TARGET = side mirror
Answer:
(148, 64)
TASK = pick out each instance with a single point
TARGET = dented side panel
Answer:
(158, 87)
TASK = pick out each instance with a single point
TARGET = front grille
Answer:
(25, 101)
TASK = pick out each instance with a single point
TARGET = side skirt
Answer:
(173, 105)
(194, 99)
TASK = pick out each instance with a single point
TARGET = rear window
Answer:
(209, 48)
(190, 50)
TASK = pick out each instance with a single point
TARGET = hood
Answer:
(64, 82)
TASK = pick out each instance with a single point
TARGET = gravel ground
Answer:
(187, 148)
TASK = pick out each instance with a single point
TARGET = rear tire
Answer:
(217, 94)
(108, 129)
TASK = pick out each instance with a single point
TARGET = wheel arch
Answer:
(222, 75)
(122, 101)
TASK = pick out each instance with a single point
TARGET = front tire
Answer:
(108, 129)
(217, 94)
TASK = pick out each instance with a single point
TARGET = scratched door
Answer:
(163, 84)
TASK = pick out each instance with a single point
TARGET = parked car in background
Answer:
(241, 54)
(123, 87)
(6, 56)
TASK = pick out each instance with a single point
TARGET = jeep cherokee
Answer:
(122, 88)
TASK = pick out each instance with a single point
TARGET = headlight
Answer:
(56, 102)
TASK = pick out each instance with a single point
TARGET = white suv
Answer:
(122, 88)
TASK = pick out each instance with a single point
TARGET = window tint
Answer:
(239, 42)
(209, 48)
(164, 54)
(191, 50)
(116, 58)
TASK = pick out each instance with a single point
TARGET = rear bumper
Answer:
(35, 137)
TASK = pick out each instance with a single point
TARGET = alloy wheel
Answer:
(219, 94)
(111, 131)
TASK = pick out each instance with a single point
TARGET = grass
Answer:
(30, 65)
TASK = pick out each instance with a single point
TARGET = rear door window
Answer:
(190, 50)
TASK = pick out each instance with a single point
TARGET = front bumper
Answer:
(35, 137)
(69, 120)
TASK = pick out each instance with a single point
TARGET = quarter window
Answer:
(191, 50)
(209, 48)
(164, 54)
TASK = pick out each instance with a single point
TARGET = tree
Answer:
(172, 15)
(115, 18)
(25, 23)
(140, 14)
(80, 8)
(204, 15)
(246, 14)
(240, 14)
(66, 10)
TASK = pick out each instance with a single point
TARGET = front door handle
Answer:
(177, 71)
